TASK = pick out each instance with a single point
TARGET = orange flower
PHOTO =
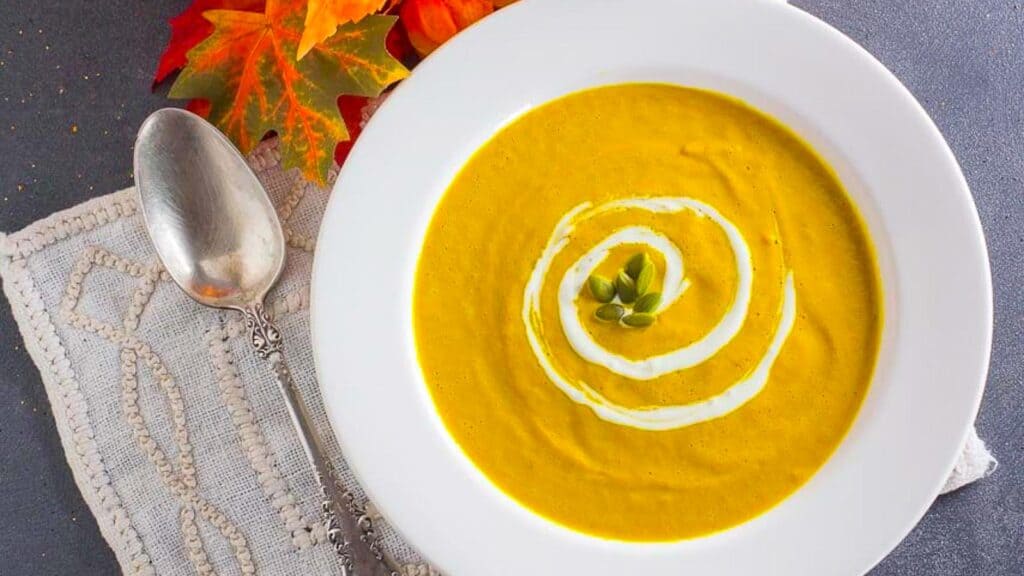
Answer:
(429, 23)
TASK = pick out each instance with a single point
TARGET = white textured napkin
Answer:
(173, 429)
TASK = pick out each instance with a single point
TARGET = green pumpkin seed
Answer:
(602, 288)
(626, 288)
(610, 312)
(644, 278)
(648, 303)
(639, 319)
(637, 263)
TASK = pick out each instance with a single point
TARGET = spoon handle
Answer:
(342, 515)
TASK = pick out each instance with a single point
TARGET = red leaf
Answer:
(398, 45)
(190, 28)
(352, 112)
(199, 106)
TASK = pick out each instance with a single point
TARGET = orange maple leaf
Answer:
(324, 16)
(248, 71)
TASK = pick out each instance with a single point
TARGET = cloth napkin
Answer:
(173, 429)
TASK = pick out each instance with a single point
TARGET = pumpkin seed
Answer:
(648, 303)
(639, 319)
(636, 263)
(626, 288)
(602, 288)
(610, 312)
(644, 278)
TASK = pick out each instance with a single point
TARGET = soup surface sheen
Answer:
(762, 349)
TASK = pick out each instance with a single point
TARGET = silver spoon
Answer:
(219, 238)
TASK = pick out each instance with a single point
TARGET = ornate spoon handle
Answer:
(341, 514)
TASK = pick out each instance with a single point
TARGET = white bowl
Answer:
(890, 157)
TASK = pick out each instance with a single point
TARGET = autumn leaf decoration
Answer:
(304, 69)
(190, 28)
(324, 16)
(249, 72)
(430, 23)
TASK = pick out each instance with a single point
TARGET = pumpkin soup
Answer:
(647, 312)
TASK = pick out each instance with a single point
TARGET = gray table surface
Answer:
(74, 86)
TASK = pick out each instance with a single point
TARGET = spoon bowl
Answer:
(209, 218)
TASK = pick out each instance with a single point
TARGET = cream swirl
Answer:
(675, 284)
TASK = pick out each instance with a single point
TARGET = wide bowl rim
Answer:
(510, 536)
